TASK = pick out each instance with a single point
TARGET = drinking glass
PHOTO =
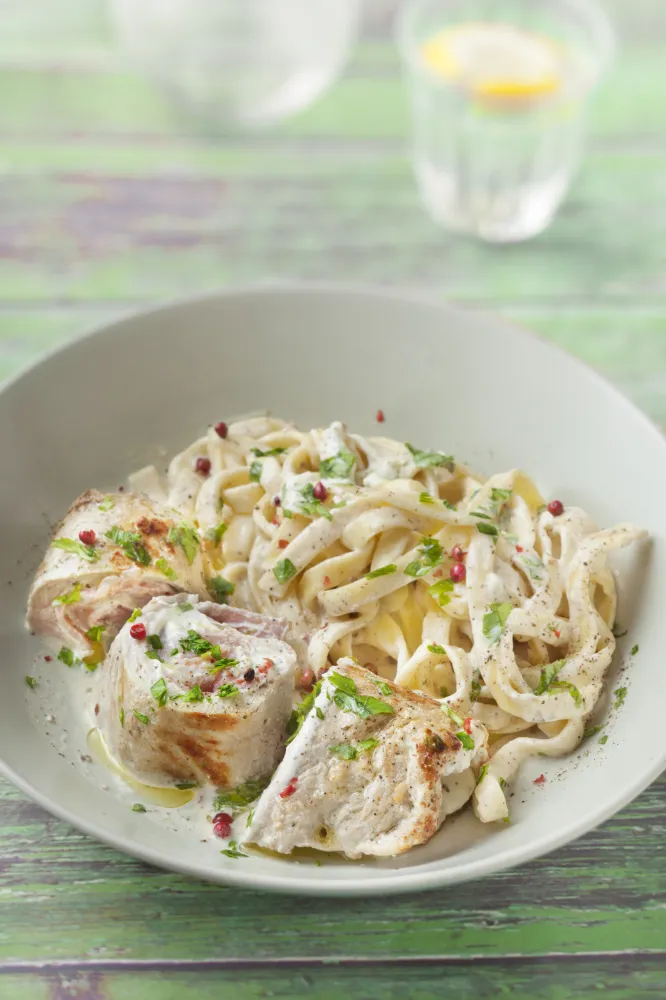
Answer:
(497, 161)
(252, 61)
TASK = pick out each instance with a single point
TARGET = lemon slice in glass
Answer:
(496, 62)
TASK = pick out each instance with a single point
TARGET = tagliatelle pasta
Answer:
(468, 589)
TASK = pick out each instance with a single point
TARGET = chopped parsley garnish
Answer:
(347, 751)
(382, 571)
(482, 773)
(163, 566)
(453, 715)
(383, 687)
(241, 797)
(430, 459)
(215, 534)
(77, 548)
(466, 740)
(620, 694)
(194, 694)
(67, 657)
(233, 850)
(121, 716)
(31, 681)
(475, 688)
(221, 663)
(441, 591)
(348, 699)
(431, 556)
(548, 675)
(131, 543)
(548, 683)
(221, 589)
(108, 503)
(135, 614)
(185, 606)
(495, 619)
(182, 786)
(344, 750)
(491, 511)
(338, 467)
(284, 570)
(250, 817)
(535, 568)
(255, 472)
(154, 641)
(434, 647)
(426, 498)
(592, 731)
(227, 691)
(603, 740)
(634, 650)
(308, 504)
(159, 692)
(487, 529)
(138, 807)
(300, 713)
(153, 654)
(194, 643)
(140, 716)
(71, 597)
(266, 454)
(186, 536)
(95, 633)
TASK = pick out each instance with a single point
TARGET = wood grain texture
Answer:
(618, 979)
(110, 199)
(71, 898)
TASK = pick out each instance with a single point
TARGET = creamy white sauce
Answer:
(387, 460)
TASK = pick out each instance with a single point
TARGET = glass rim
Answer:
(596, 20)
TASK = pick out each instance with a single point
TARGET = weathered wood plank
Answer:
(31, 987)
(623, 978)
(67, 897)
(80, 239)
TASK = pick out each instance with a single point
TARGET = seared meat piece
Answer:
(100, 580)
(374, 770)
(187, 698)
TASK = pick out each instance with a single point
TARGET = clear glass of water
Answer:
(248, 61)
(499, 93)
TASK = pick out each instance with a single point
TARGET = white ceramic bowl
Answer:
(489, 393)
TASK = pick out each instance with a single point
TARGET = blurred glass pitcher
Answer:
(250, 61)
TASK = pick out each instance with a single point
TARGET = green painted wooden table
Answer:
(108, 201)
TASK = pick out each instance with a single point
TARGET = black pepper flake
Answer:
(249, 674)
